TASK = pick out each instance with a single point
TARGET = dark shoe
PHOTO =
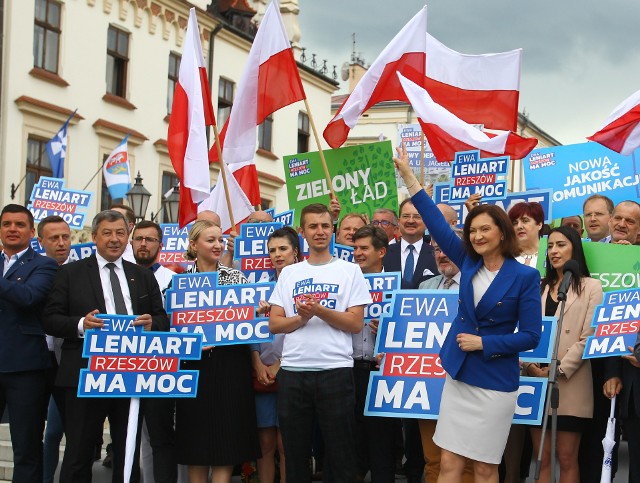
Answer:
(108, 460)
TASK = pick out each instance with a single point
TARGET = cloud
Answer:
(579, 58)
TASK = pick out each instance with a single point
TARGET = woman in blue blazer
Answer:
(480, 353)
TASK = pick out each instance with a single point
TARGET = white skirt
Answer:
(474, 422)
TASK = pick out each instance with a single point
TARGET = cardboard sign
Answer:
(411, 378)
(223, 314)
(363, 179)
(413, 138)
(381, 286)
(125, 361)
(471, 174)
(616, 322)
(50, 197)
(250, 249)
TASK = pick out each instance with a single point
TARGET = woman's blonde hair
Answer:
(194, 233)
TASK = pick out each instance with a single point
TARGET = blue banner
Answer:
(381, 285)
(577, 171)
(50, 197)
(543, 352)
(126, 361)
(616, 322)
(223, 314)
(77, 252)
(471, 174)
(343, 252)
(250, 249)
(410, 380)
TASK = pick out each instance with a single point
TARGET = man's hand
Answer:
(144, 320)
(612, 387)
(307, 307)
(263, 308)
(334, 209)
(91, 321)
(374, 326)
(631, 358)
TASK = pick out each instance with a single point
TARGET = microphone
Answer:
(571, 269)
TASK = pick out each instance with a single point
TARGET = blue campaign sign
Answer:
(175, 241)
(381, 285)
(616, 322)
(343, 252)
(77, 252)
(542, 353)
(410, 381)
(223, 314)
(250, 249)
(441, 194)
(471, 174)
(126, 361)
(286, 217)
(50, 197)
(577, 171)
(304, 246)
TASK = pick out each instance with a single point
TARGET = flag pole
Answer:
(320, 152)
(422, 157)
(223, 172)
(95, 174)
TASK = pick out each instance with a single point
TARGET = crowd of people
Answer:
(303, 394)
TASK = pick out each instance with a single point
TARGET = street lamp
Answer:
(139, 198)
(171, 204)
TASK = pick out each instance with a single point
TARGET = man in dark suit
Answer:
(102, 283)
(413, 246)
(24, 358)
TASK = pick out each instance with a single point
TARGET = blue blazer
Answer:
(512, 300)
(23, 292)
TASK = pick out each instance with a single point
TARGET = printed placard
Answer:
(471, 174)
(363, 178)
(175, 241)
(434, 172)
(343, 252)
(577, 171)
(126, 361)
(78, 251)
(411, 378)
(50, 197)
(223, 314)
(616, 322)
(381, 286)
(250, 249)
(543, 352)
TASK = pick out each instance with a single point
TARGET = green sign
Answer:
(616, 266)
(363, 179)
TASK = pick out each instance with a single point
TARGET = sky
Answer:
(580, 57)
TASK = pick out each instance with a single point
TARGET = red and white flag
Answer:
(621, 130)
(217, 201)
(191, 112)
(479, 89)
(448, 134)
(404, 54)
(269, 82)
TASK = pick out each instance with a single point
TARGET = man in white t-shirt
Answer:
(318, 303)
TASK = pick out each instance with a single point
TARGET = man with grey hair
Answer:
(104, 283)
(387, 220)
(625, 223)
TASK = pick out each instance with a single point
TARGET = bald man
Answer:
(449, 214)
(209, 215)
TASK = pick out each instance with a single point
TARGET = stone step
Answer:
(6, 471)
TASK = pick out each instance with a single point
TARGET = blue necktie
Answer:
(409, 264)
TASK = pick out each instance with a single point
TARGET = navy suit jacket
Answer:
(512, 300)
(393, 263)
(77, 291)
(23, 293)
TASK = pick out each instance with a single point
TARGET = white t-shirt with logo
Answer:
(338, 285)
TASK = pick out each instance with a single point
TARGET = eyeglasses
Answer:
(383, 223)
(147, 239)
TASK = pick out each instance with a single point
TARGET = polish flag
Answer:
(404, 54)
(621, 130)
(270, 82)
(191, 112)
(479, 89)
(448, 134)
(217, 201)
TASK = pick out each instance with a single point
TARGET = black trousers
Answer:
(26, 397)
(159, 414)
(83, 427)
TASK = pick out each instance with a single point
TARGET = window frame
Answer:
(46, 27)
(172, 77)
(120, 63)
(304, 132)
(226, 92)
(37, 169)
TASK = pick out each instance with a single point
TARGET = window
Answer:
(105, 198)
(174, 70)
(46, 35)
(38, 164)
(225, 100)
(169, 180)
(265, 204)
(303, 133)
(264, 134)
(117, 61)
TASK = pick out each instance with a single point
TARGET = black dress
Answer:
(218, 427)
